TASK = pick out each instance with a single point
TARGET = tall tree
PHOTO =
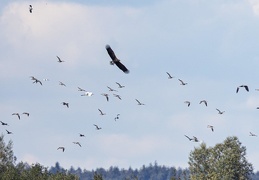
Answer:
(226, 160)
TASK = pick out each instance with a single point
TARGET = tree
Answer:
(224, 161)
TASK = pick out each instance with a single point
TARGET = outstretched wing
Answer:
(111, 53)
(121, 66)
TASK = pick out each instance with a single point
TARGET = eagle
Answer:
(115, 60)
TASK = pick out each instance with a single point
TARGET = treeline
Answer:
(154, 172)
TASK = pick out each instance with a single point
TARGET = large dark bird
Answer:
(30, 8)
(115, 60)
(244, 86)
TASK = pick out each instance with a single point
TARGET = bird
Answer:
(139, 103)
(211, 127)
(188, 103)
(110, 89)
(106, 95)
(101, 112)
(244, 86)
(117, 117)
(77, 143)
(80, 89)
(62, 148)
(115, 60)
(61, 84)
(195, 139)
(220, 112)
(26, 113)
(169, 75)
(17, 114)
(36, 80)
(97, 127)
(81, 135)
(205, 102)
(120, 86)
(30, 8)
(190, 139)
(4, 124)
(252, 134)
(65, 104)
(118, 96)
(8, 132)
(87, 94)
(182, 83)
(59, 60)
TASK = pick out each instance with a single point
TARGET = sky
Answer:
(211, 45)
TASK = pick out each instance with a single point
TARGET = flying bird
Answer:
(80, 89)
(101, 113)
(169, 75)
(65, 104)
(211, 127)
(30, 8)
(106, 95)
(117, 117)
(182, 83)
(97, 127)
(205, 102)
(4, 124)
(190, 139)
(17, 114)
(59, 60)
(244, 86)
(139, 103)
(118, 96)
(110, 89)
(26, 113)
(220, 112)
(61, 84)
(120, 86)
(77, 143)
(188, 103)
(115, 60)
(35, 80)
(81, 135)
(62, 148)
(87, 94)
(8, 132)
(252, 134)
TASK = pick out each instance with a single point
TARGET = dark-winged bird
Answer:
(4, 124)
(188, 103)
(30, 8)
(205, 102)
(63, 149)
(78, 143)
(97, 127)
(8, 132)
(220, 112)
(17, 114)
(244, 86)
(101, 113)
(252, 134)
(26, 113)
(115, 60)
(211, 127)
(106, 95)
(120, 86)
(81, 135)
(59, 60)
(65, 104)
(169, 75)
(139, 103)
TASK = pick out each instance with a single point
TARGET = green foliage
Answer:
(224, 161)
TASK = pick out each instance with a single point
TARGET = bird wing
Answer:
(168, 74)
(111, 53)
(188, 137)
(122, 67)
(138, 101)
(237, 90)
(246, 87)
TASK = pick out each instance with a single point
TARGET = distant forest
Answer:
(150, 172)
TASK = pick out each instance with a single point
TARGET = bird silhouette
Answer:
(8, 132)
(62, 148)
(3, 123)
(101, 112)
(81, 135)
(59, 60)
(106, 95)
(252, 134)
(17, 114)
(139, 103)
(244, 86)
(117, 117)
(77, 143)
(220, 112)
(205, 102)
(211, 127)
(110, 89)
(30, 8)
(26, 113)
(61, 84)
(65, 104)
(120, 86)
(80, 89)
(182, 83)
(169, 75)
(115, 60)
(117, 96)
(188, 103)
(97, 127)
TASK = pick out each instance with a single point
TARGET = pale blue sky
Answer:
(213, 46)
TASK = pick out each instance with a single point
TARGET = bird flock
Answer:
(115, 93)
